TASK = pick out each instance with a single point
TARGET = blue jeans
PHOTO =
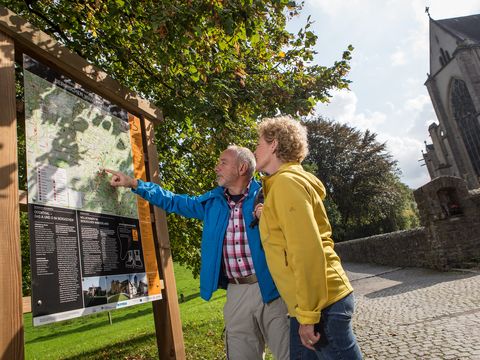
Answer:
(337, 340)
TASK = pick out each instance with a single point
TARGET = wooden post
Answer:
(168, 325)
(11, 320)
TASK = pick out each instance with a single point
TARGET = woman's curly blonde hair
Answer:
(291, 136)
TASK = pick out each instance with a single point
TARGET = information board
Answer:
(92, 246)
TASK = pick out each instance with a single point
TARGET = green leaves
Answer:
(365, 196)
(214, 67)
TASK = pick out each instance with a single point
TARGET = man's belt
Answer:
(250, 279)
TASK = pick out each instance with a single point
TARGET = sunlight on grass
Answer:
(132, 334)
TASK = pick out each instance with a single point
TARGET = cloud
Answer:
(402, 148)
(398, 58)
(407, 151)
(417, 104)
(333, 8)
(442, 9)
(418, 41)
(414, 85)
(343, 108)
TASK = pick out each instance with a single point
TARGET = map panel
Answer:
(90, 248)
(70, 141)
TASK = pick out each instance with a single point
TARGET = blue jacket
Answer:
(213, 210)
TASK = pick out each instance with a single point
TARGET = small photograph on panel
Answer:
(125, 287)
(94, 290)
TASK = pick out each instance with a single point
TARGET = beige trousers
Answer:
(250, 324)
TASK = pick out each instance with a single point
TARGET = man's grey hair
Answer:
(244, 155)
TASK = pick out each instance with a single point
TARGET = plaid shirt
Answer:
(236, 252)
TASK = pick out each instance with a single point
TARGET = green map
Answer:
(69, 143)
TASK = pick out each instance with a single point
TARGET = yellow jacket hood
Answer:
(295, 170)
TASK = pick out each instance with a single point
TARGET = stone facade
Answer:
(449, 238)
(454, 88)
(450, 214)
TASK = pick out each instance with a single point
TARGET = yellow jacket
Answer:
(296, 236)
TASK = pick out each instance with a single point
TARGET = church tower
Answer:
(454, 88)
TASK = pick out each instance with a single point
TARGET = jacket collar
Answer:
(220, 190)
(268, 180)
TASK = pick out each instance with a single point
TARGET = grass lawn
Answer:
(132, 334)
(117, 298)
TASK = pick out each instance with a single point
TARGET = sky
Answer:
(389, 68)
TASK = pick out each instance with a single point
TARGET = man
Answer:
(232, 254)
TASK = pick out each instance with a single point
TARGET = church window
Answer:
(444, 57)
(465, 115)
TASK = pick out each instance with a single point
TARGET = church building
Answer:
(454, 87)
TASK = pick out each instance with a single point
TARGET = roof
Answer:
(463, 28)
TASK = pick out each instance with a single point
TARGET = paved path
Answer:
(410, 313)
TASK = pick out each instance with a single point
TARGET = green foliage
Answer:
(365, 195)
(214, 67)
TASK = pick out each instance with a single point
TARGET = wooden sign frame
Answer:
(18, 37)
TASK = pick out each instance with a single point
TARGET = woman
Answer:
(296, 236)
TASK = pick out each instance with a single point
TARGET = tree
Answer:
(214, 67)
(364, 193)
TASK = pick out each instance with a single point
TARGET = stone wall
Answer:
(393, 249)
(450, 236)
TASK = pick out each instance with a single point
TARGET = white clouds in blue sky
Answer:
(389, 68)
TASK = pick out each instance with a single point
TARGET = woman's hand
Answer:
(257, 212)
(308, 336)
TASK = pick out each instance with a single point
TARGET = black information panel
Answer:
(55, 260)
